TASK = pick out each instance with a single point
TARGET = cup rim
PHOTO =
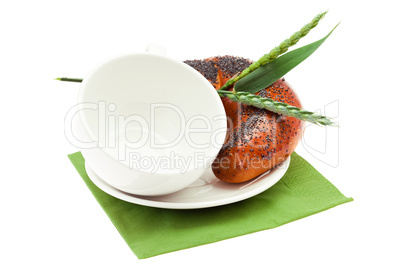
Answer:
(211, 90)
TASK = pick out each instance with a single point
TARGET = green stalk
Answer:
(263, 103)
(277, 51)
(78, 80)
(276, 107)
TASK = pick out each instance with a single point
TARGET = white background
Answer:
(50, 219)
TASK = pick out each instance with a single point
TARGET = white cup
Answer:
(153, 125)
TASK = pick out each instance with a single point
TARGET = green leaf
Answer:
(266, 75)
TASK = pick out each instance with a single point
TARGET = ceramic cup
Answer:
(152, 125)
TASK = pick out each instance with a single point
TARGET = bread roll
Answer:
(257, 139)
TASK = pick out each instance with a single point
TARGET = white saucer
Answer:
(208, 191)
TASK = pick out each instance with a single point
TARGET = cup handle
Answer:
(155, 48)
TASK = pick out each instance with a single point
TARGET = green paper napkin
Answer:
(148, 231)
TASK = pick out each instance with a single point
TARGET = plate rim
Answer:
(139, 200)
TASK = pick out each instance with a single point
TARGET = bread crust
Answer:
(257, 140)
